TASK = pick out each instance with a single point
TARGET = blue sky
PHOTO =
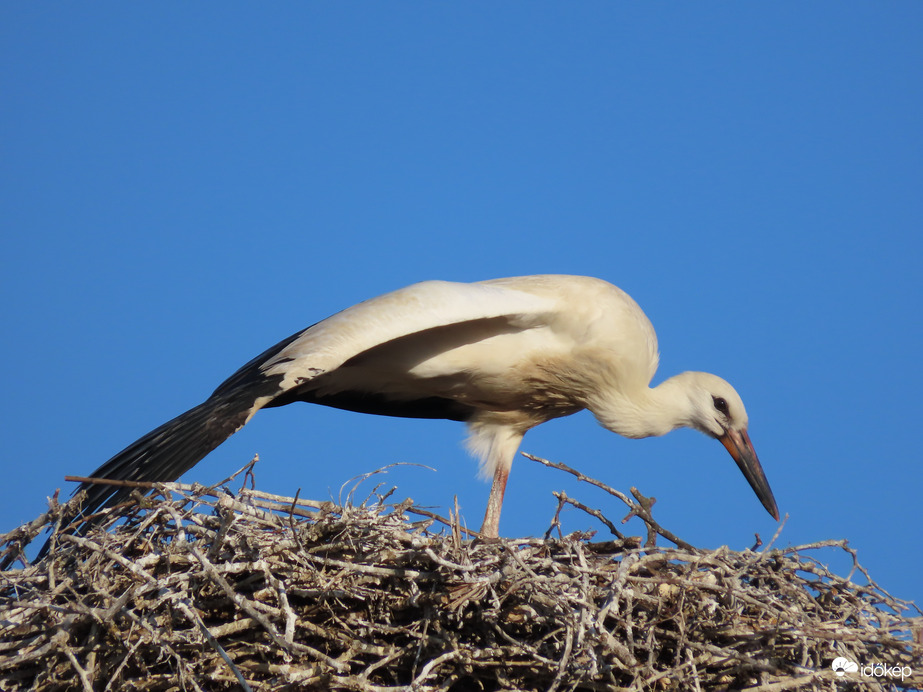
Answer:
(180, 188)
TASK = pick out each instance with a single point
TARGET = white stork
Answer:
(503, 356)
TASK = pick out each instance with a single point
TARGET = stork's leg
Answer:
(495, 441)
(491, 526)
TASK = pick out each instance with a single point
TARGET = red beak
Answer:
(738, 444)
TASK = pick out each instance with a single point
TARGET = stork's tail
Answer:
(166, 453)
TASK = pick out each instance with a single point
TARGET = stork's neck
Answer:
(645, 411)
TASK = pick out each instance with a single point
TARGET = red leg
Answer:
(491, 526)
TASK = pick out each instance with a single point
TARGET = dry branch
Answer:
(201, 588)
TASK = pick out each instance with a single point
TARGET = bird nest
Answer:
(207, 589)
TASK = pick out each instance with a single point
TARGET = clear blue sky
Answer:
(181, 187)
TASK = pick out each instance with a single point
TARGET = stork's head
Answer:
(718, 411)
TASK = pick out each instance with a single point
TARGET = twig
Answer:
(640, 509)
(190, 613)
(562, 497)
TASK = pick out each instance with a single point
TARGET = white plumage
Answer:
(502, 355)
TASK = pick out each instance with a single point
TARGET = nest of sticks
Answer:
(199, 588)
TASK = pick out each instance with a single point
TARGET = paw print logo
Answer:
(841, 666)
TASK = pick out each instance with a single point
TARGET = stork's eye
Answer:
(721, 404)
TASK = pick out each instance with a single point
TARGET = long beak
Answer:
(738, 444)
